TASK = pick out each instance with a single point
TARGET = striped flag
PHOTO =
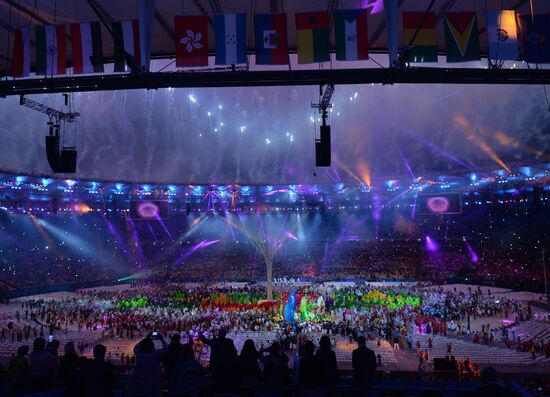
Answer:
(502, 32)
(312, 35)
(230, 33)
(351, 35)
(126, 37)
(21, 59)
(51, 49)
(191, 40)
(87, 47)
(270, 39)
(424, 47)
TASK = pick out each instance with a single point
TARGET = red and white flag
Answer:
(191, 40)
(21, 59)
(87, 47)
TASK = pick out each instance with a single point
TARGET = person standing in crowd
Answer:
(43, 369)
(68, 364)
(18, 372)
(53, 347)
(146, 379)
(223, 362)
(250, 359)
(328, 367)
(97, 376)
(491, 387)
(364, 364)
(276, 370)
(310, 372)
(173, 353)
(187, 378)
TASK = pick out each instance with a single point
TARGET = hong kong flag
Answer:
(191, 40)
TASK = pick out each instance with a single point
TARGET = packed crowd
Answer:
(330, 246)
(196, 317)
(382, 260)
(374, 312)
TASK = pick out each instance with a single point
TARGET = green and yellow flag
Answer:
(312, 37)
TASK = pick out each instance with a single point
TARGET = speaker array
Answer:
(60, 161)
(322, 148)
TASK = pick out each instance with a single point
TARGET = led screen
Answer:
(440, 204)
(149, 209)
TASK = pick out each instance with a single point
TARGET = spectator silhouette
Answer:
(308, 378)
(328, 369)
(18, 372)
(146, 378)
(250, 358)
(276, 370)
(492, 388)
(364, 364)
(97, 377)
(186, 379)
(68, 363)
(53, 347)
(173, 354)
(223, 362)
(43, 369)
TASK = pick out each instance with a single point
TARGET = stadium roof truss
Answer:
(14, 14)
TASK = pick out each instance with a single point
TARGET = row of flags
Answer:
(270, 34)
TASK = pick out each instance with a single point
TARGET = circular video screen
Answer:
(438, 205)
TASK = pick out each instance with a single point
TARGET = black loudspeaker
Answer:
(60, 162)
(322, 148)
(68, 160)
(440, 364)
(52, 152)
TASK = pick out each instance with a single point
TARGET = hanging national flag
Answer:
(270, 38)
(312, 37)
(502, 32)
(126, 40)
(461, 36)
(51, 49)
(390, 16)
(424, 47)
(535, 38)
(87, 47)
(351, 35)
(146, 20)
(21, 59)
(230, 33)
(191, 40)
